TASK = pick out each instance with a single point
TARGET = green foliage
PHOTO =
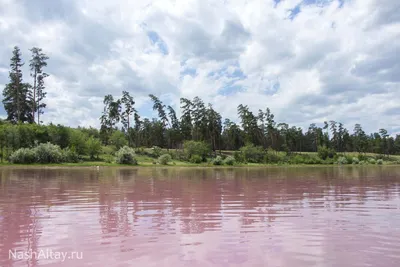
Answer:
(238, 156)
(355, 160)
(200, 149)
(118, 139)
(271, 156)
(23, 156)
(372, 161)
(164, 159)
(324, 152)
(362, 157)
(126, 155)
(252, 154)
(217, 161)
(70, 156)
(93, 146)
(229, 160)
(379, 161)
(342, 160)
(77, 141)
(349, 159)
(156, 151)
(48, 153)
(196, 159)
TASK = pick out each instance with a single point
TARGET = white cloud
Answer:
(330, 62)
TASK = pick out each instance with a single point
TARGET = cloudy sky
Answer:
(307, 60)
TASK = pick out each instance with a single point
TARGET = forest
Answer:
(255, 136)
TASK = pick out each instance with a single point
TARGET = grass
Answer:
(148, 161)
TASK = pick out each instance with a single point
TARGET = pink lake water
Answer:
(320, 216)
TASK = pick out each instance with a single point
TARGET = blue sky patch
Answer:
(157, 41)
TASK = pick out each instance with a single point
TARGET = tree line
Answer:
(201, 122)
(121, 123)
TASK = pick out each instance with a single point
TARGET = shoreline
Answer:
(194, 166)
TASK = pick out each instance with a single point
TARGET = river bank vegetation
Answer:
(199, 136)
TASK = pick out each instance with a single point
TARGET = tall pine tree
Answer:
(36, 64)
(17, 94)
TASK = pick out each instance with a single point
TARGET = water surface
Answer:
(322, 216)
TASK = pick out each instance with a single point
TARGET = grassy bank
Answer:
(147, 159)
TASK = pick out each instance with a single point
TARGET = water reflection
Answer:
(203, 217)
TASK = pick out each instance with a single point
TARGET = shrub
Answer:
(126, 155)
(196, 148)
(253, 154)
(362, 157)
(238, 156)
(118, 139)
(379, 161)
(342, 160)
(140, 151)
(164, 159)
(156, 151)
(218, 161)
(349, 159)
(109, 150)
(355, 160)
(272, 157)
(77, 141)
(48, 153)
(324, 152)
(229, 160)
(93, 146)
(297, 159)
(23, 156)
(196, 159)
(70, 156)
(372, 161)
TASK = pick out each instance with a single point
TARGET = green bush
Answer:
(324, 152)
(77, 141)
(272, 157)
(379, 161)
(349, 159)
(372, 161)
(218, 161)
(252, 154)
(342, 160)
(23, 156)
(126, 155)
(196, 159)
(238, 156)
(48, 153)
(164, 159)
(229, 160)
(196, 148)
(118, 139)
(178, 155)
(140, 151)
(109, 150)
(297, 159)
(328, 161)
(93, 146)
(362, 157)
(156, 151)
(70, 156)
(355, 160)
